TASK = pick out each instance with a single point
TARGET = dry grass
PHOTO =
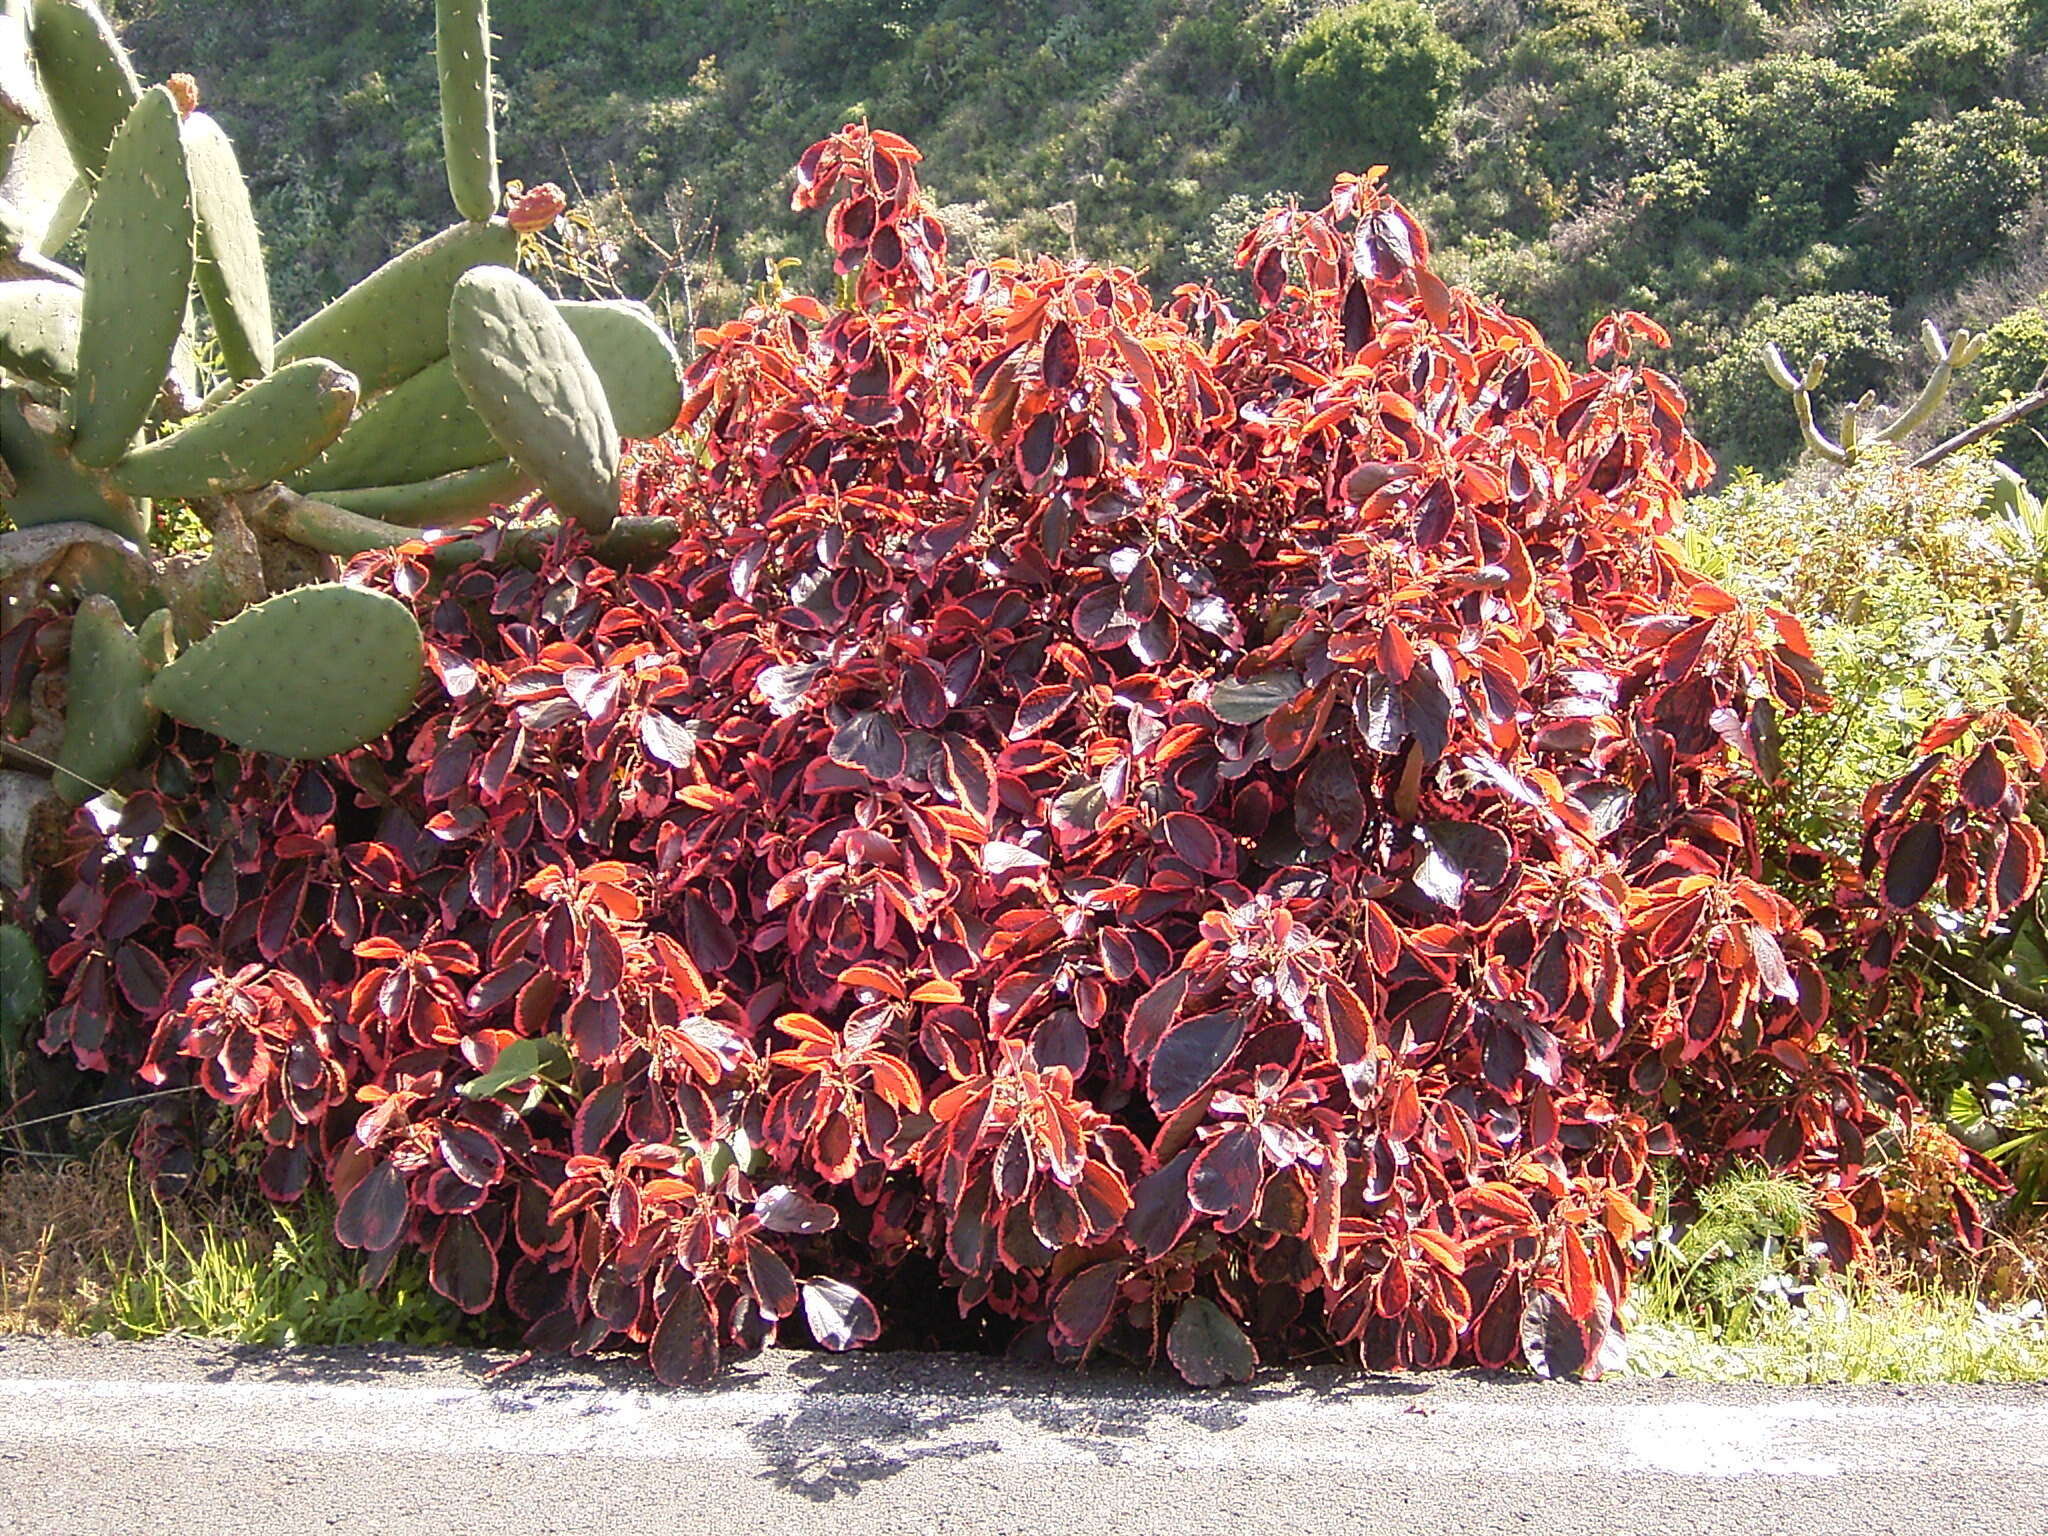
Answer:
(85, 1247)
(66, 1234)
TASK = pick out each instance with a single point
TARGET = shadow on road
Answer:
(864, 1419)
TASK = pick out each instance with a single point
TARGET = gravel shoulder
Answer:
(185, 1436)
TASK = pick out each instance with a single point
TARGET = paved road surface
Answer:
(111, 1439)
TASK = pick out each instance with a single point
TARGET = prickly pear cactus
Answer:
(469, 133)
(230, 270)
(308, 673)
(108, 722)
(138, 279)
(261, 435)
(394, 322)
(439, 389)
(530, 380)
(90, 83)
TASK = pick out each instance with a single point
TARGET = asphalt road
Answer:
(121, 1438)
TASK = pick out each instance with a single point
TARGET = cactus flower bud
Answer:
(185, 92)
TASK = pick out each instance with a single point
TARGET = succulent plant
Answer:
(353, 431)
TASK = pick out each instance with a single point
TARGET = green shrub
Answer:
(1918, 605)
(1378, 78)
(1744, 418)
(2015, 357)
(1778, 145)
(1956, 51)
(1950, 195)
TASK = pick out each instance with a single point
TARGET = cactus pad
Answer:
(309, 673)
(39, 330)
(332, 530)
(394, 322)
(416, 431)
(529, 378)
(469, 134)
(231, 274)
(86, 75)
(643, 376)
(51, 487)
(271, 428)
(445, 502)
(138, 271)
(21, 96)
(108, 722)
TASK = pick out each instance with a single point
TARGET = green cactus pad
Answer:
(447, 501)
(309, 673)
(394, 322)
(39, 330)
(418, 430)
(231, 274)
(529, 378)
(21, 95)
(51, 487)
(108, 721)
(264, 433)
(158, 638)
(86, 75)
(332, 530)
(138, 273)
(23, 996)
(424, 428)
(39, 173)
(469, 133)
(643, 376)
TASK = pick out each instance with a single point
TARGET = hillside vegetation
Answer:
(1818, 173)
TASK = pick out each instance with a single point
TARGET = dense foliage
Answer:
(1172, 828)
(1694, 160)
(1377, 73)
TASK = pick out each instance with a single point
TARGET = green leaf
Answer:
(529, 1057)
(1250, 701)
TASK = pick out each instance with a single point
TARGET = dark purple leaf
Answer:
(1207, 1347)
(840, 1317)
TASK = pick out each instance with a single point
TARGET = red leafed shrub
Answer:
(1168, 829)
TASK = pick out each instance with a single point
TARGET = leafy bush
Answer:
(2014, 361)
(1957, 52)
(1160, 827)
(1745, 418)
(1376, 78)
(1922, 605)
(1950, 195)
(1778, 144)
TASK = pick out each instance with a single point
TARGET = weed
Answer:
(84, 1248)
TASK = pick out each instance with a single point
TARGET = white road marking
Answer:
(1533, 1430)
